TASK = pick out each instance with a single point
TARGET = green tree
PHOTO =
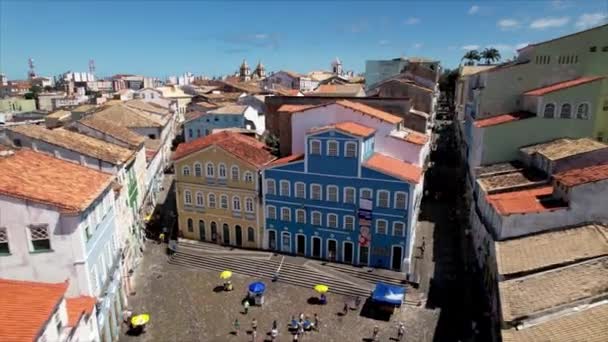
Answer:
(273, 144)
(34, 91)
(471, 57)
(490, 55)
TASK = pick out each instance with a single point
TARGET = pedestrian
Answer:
(400, 331)
(375, 334)
(345, 309)
(246, 306)
(317, 322)
(301, 317)
(161, 238)
(295, 337)
(254, 335)
(237, 326)
(254, 324)
(357, 302)
(274, 333)
(274, 324)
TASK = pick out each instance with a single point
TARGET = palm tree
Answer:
(490, 55)
(471, 56)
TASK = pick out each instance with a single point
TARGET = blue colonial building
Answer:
(341, 200)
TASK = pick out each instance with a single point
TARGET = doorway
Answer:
(316, 247)
(226, 233)
(364, 255)
(213, 232)
(238, 235)
(300, 244)
(286, 242)
(332, 249)
(201, 230)
(348, 252)
(396, 258)
(272, 240)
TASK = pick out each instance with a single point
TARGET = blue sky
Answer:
(161, 38)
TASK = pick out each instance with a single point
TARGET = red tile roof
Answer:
(371, 111)
(287, 160)
(562, 85)
(292, 108)
(348, 127)
(503, 118)
(394, 167)
(524, 201)
(79, 306)
(417, 138)
(40, 178)
(26, 308)
(241, 146)
(582, 176)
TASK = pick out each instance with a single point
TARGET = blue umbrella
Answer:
(257, 287)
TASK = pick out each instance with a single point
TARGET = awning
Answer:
(388, 294)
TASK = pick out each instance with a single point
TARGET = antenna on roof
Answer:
(92, 66)
(31, 72)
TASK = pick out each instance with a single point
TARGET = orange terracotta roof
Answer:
(287, 160)
(524, 201)
(348, 127)
(292, 108)
(365, 109)
(417, 138)
(241, 146)
(582, 176)
(79, 306)
(562, 85)
(26, 308)
(40, 178)
(394, 167)
(503, 118)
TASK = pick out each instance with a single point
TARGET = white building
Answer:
(57, 222)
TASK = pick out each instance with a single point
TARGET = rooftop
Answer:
(534, 294)
(337, 90)
(503, 118)
(468, 70)
(588, 325)
(77, 142)
(410, 136)
(147, 107)
(79, 306)
(499, 168)
(246, 148)
(288, 159)
(562, 148)
(562, 85)
(371, 111)
(292, 108)
(348, 127)
(37, 177)
(27, 307)
(230, 97)
(117, 132)
(129, 117)
(553, 248)
(527, 201)
(172, 92)
(583, 176)
(517, 178)
(59, 114)
(231, 110)
(394, 167)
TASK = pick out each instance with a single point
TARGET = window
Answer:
(285, 214)
(250, 234)
(349, 195)
(350, 150)
(332, 220)
(271, 212)
(332, 193)
(224, 202)
(234, 173)
(211, 201)
(605, 48)
(221, 171)
(190, 225)
(4, 248)
(398, 228)
(284, 188)
(210, 170)
(349, 222)
(87, 235)
(315, 218)
(300, 216)
(271, 188)
(332, 148)
(199, 199)
(381, 226)
(549, 112)
(198, 170)
(593, 49)
(248, 177)
(400, 200)
(300, 190)
(201, 229)
(582, 112)
(315, 192)
(186, 171)
(315, 147)
(236, 203)
(366, 193)
(566, 111)
(187, 197)
(249, 205)
(382, 199)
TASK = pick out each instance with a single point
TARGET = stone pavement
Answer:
(184, 307)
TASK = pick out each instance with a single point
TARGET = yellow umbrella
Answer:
(226, 274)
(321, 288)
(140, 319)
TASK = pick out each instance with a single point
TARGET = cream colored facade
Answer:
(219, 193)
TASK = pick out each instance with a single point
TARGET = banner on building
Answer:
(365, 222)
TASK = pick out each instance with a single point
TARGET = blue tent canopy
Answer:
(257, 287)
(388, 294)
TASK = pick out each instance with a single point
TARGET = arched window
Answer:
(315, 147)
(549, 112)
(198, 170)
(332, 193)
(236, 203)
(186, 171)
(400, 200)
(271, 187)
(234, 173)
(210, 170)
(300, 216)
(284, 188)
(221, 170)
(187, 197)
(190, 225)
(224, 202)
(250, 234)
(199, 199)
(300, 190)
(248, 177)
(332, 148)
(350, 149)
(285, 214)
(582, 112)
(332, 220)
(382, 200)
(315, 218)
(249, 205)
(201, 229)
(566, 112)
(211, 202)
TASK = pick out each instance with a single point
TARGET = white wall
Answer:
(259, 121)
(50, 332)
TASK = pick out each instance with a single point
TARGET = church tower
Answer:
(260, 70)
(245, 72)
(336, 67)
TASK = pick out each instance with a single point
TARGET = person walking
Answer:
(400, 331)
(254, 324)
(274, 324)
(345, 309)
(375, 333)
(317, 322)
(246, 306)
(254, 336)
(237, 326)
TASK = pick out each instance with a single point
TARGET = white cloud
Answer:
(588, 20)
(470, 47)
(474, 9)
(417, 45)
(412, 21)
(544, 23)
(261, 36)
(508, 24)
(383, 42)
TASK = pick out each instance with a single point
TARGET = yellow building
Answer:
(218, 194)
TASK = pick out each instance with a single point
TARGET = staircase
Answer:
(366, 274)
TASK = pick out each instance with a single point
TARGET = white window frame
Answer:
(303, 213)
(554, 110)
(220, 167)
(328, 220)
(302, 186)
(281, 184)
(31, 240)
(198, 167)
(312, 218)
(394, 228)
(236, 203)
(238, 173)
(199, 195)
(211, 200)
(346, 145)
(212, 173)
(320, 192)
(388, 198)
(344, 225)
(249, 205)
(329, 142)
(337, 190)
(274, 208)
(405, 199)
(274, 186)
(586, 117)
(371, 192)
(248, 177)
(561, 110)
(385, 226)
(283, 211)
(187, 194)
(224, 202)
(311, 149)
(5, 238)
(186, 170)
(354, 191)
